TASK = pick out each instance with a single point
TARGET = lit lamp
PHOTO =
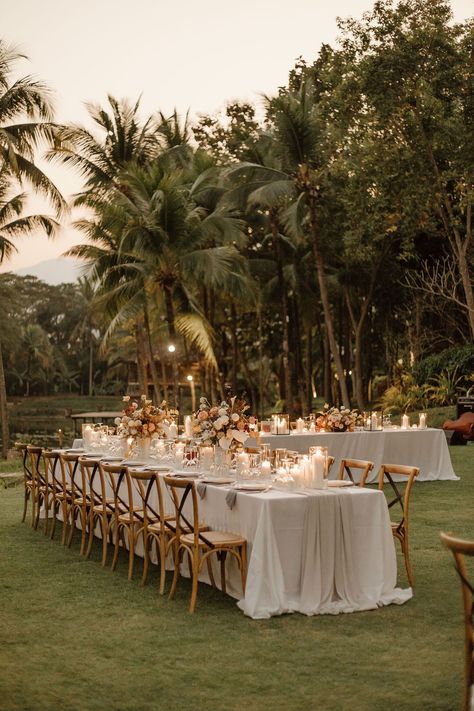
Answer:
(280, 424)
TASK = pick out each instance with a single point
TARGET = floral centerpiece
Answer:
(333, 419)
(142, 419)
(225, 425)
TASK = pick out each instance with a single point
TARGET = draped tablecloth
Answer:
(426, 449)
(317, 552)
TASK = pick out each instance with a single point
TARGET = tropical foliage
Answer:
(326, 250)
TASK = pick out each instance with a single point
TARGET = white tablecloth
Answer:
(426, 449)
(315, 552)
(321, 552)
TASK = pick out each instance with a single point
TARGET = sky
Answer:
(172, 53)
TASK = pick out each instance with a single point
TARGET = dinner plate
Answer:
(74, 450)
(217, 480)
(340, 482)
(158, 468)
(112, 459)
(185, 475)
(133, 463)
(251, 486)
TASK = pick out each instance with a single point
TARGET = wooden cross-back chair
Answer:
(400, 530)
(199, 544)
(58, 491)
(40, 488)
(28, 480)
(460, 549)
(347, 467)
(155, 525)
(79, 498)
(128, 513)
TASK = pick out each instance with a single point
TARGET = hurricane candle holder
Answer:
(318, 469)
(280, 424)
(422, 421)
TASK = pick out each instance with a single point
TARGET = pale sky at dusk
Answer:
(188, 54)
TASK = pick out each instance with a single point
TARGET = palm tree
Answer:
(19, 99)
(14, 224)
(295, 177)
(123, 139)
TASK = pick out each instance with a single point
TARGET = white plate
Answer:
(74, 450)
(217, 480)
(340, 482)
(158, 468)
(251, 486)
(185, 475)
(133, 463)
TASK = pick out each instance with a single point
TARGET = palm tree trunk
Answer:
(284, 316)
(328, 320)
(260, 359)
(309, 369)
(151, 360)
(141, 359)
(233, 334)
(4, 409)
(91, 364)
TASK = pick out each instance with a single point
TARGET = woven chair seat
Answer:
(216, 538)
(137, 517)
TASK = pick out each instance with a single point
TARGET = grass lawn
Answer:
(76, 636)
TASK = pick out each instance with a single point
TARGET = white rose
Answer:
(224, 420)
(117, 420)
(235, 417)
(126, 398)
(222, 411)
(218, 423)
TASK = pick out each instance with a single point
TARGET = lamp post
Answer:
(172, 350)
(190, 380)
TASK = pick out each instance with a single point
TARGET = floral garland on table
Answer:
(225, 425)
(333, 419)
(142, 419)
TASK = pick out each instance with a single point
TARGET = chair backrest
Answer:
(34, 454)
(25, 460)
(181, 490)
(145, 484)
(387, 471)
(347, 465)
(460, 549)
(89, 469)
(111, 477)
(51, 458)
(69, 463)
(331, 461)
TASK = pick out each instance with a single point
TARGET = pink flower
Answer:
(252, 420)
(203, 415)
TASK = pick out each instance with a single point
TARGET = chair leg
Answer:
(65, 509)
(406, 555)
(223, 555)
(104, 526)
(91, 534)
(116, 548)
(33, 508)
(37, 511)
(46, 505)
(194, 589)
(162, 555)
(243, 566)
(84, 519)
(131, 552)
(177, 563)
(210, 571)
(25, 506)
(72, 526)
(55, 518)
(147, 543)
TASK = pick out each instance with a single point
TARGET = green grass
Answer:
(79, 637)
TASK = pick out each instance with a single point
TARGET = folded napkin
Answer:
(231, 498)
(201, 489)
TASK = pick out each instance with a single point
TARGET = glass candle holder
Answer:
(318, 468)
(280, 424)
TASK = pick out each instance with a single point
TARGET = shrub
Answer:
(460, 359)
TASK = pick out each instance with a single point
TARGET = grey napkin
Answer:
(230, 498)
(201, 489)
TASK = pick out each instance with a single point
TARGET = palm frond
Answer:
(197, 332)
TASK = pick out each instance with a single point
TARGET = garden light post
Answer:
(174, 365)
(190, 380)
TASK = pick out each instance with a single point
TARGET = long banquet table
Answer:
(314, 552)
(426, 449)
(310, 551)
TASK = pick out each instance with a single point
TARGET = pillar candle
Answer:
(422, 421)
(317, 470)
(405, 422)
(188, 426)
(266, 468)
(299, 424)
(173, 431)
